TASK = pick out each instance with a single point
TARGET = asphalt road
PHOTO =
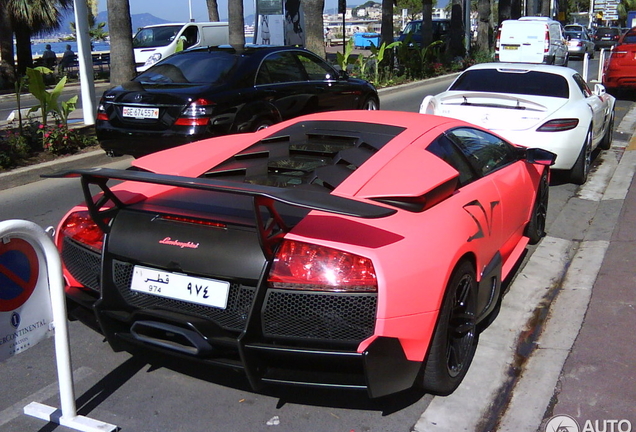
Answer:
(141, 395)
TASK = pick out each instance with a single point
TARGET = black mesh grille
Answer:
(319, 316)
(83, 264)
(231, 318)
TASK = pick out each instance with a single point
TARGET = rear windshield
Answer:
(191, 67)
(155, 36)
(514, 82)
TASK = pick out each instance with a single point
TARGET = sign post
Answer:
(20, 232)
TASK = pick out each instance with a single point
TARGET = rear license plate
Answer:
(141, 113)
(510, 47)
(203, 291)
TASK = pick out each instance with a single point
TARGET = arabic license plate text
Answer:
(204, 291)
(142, 113)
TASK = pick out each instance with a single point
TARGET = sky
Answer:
(179, 10)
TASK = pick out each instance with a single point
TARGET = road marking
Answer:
(16, 410)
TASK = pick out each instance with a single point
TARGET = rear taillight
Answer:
(558, 125)
(196, 114)
(101, 112)
(80, 227)
(304, 266)
(546, 43)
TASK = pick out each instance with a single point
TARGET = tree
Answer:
(314, 26)
(122, 58)
(213, 10)
(387, 21)
(28, 17)
(427, 22)
(236, 24)
(484, 30)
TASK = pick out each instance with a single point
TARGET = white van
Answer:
(155, 42)
(531, 40)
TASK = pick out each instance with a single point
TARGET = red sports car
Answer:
(350, 249)
(619, 71)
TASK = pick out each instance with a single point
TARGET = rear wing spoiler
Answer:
(264, 197)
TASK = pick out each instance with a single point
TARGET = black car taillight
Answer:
(101, 112)
(196, 114)
(80, 227)
(558, 125)
(304, 266)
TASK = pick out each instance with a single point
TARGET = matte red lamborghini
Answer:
(350, 249)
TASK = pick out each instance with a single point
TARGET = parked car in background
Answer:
(578, 28)
(531, 40)
(533, 105)
(413, 31)
(619, 72)
(345, 250)
(606, 37)
(205, 92)
(579, 44)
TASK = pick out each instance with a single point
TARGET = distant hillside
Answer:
(138, 21)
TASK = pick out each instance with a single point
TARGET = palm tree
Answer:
(483, 26)
(236, 23)
(213, 10)
(314, 27)
(28, 17)
(122, 59)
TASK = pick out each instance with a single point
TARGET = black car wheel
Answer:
(535, 230)
(371, 104)
(581, 169)
(606, 142)
(455, 338)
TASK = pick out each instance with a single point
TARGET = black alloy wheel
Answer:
(535, 230)
(455, 339)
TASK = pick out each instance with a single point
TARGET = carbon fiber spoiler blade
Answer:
(294, 197)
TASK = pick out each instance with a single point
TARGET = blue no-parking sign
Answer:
(25, 304)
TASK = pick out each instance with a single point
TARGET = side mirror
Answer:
(599, 89)
(540, 156)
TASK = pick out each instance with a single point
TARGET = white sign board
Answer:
(25, 304)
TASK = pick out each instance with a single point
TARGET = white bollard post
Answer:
(34, 234)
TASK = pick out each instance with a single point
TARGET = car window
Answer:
(315, 68)
(629, 38)
(190, 67)
(513, 81)
(444, 149)
(280, 67)
(485, 151)
(155, 36)
(582, 85)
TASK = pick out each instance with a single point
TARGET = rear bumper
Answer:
(380, 370)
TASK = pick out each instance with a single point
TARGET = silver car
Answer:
(579, 43)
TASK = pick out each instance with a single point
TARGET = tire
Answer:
(371, 104)
(581, 168)
(535, 230)
(606, 142)
(455, 338)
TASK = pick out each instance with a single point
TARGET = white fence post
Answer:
(34, 234)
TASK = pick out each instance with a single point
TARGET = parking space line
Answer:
(17, 409)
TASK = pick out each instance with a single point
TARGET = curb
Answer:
(30, 174)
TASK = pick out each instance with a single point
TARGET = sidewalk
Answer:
(597, 383)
